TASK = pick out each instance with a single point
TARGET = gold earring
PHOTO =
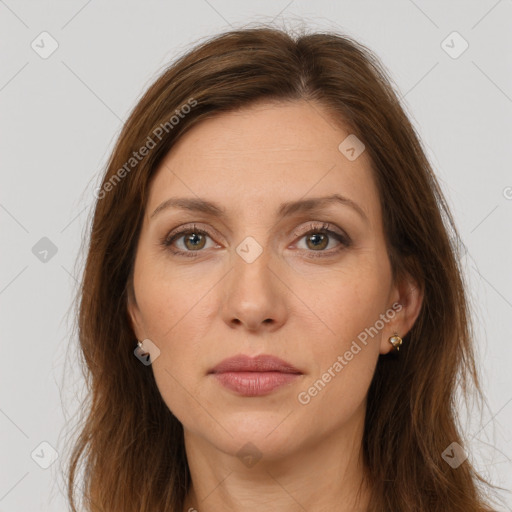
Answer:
(396, 341)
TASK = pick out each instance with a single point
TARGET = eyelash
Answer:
(345, 241)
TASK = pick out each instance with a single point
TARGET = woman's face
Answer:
(230, 270)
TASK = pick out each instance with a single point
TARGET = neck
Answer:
(324, 476)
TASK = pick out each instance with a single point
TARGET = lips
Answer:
(261, 363)
(254, 376)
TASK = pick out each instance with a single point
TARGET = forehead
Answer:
(265, 154)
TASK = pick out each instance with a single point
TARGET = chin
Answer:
(263, 433)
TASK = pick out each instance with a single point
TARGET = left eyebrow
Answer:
(285, 209)
(317, 203)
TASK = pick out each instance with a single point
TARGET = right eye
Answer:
(192, 238)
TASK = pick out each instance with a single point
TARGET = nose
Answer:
(255, 297)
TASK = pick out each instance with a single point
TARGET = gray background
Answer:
(61, 115)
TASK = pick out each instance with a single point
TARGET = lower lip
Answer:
(254, 383)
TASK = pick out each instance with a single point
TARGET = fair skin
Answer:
(288, 303)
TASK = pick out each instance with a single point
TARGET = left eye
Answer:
(317, 240)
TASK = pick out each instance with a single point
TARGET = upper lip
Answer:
(261, 363)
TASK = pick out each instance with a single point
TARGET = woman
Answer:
(272, 316)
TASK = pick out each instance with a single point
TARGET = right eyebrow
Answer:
(192, 204)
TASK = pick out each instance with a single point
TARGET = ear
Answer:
(134, 314)
(405, 300)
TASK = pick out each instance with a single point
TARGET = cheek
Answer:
(169, 295)
(351, 301)
(345, 357)
(173, 307)
(333, 398)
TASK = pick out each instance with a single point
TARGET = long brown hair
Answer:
(130, 445)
